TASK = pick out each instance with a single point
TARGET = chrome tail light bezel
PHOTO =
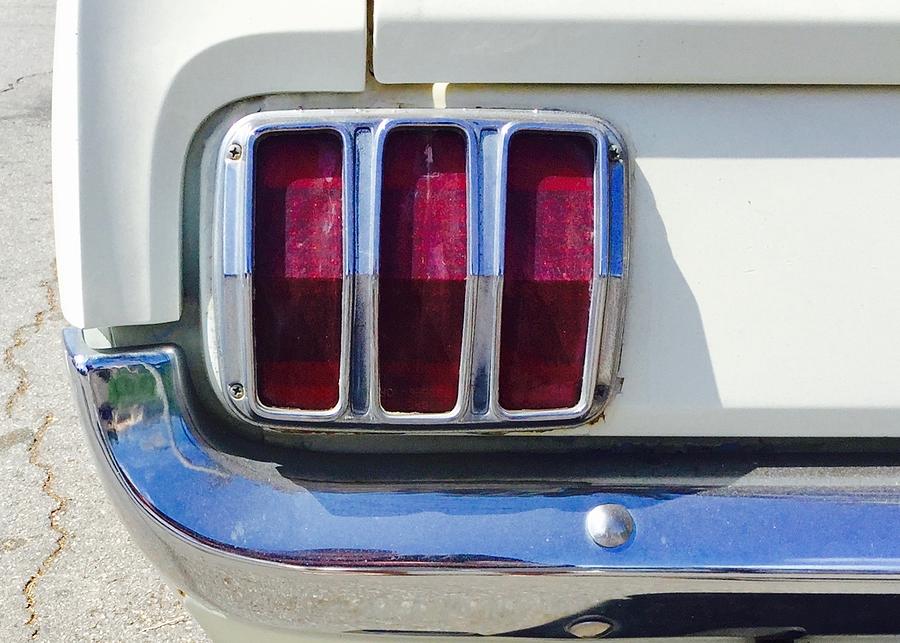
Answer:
(229, 326)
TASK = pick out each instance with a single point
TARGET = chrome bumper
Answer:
(252, 536)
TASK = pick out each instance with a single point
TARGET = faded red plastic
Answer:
(298, 269)
(548, 268)
(422, 275)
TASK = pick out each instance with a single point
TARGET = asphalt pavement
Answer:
(68, 569)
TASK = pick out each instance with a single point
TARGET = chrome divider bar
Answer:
(489, 266)
(363, 132)
(363, 392)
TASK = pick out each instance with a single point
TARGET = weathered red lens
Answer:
(548, 266)
(298, 269)
(422, 275)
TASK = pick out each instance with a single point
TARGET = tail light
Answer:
(448, 270)
(298, 269)
(548, 269)
(422, 276)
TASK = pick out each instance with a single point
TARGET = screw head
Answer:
(236, 390)
(610, 525)
(234, 151)
(614, 154)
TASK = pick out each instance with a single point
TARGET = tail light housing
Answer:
(434, 270)
(423, 266)
(298, 260)
(548, 268)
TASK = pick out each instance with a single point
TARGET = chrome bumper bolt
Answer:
(589, 627)
(610, 525)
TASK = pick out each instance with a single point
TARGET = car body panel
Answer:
(763, 264)
(134, 81)
(763, 218)
(793, 42)
(753, 440)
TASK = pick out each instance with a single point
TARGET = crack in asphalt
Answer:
(62, 534)
(18, 81)
(20, 338)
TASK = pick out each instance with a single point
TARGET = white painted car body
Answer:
(762, 292)
(762, 302)
(134, 81)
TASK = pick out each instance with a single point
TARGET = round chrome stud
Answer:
(610, 525)
(590, 627)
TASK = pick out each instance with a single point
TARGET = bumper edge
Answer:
(360, 561)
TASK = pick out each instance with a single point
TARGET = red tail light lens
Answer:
(298, 269)
(548, 267)
(422, 276)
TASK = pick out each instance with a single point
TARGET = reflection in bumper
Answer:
(245, 537)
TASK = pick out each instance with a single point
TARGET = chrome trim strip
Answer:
(359, 409)
(280, 535)
(615, 279)
(363, 331)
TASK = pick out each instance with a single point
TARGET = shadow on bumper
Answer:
(246, 538)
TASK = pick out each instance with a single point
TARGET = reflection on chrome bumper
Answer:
(247, 537)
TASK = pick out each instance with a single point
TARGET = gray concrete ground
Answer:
(68, 570)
